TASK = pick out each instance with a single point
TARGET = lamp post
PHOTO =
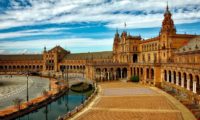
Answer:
(67, 80)
(82, 87)
(66, 100)
(49, 81)
(27, 95)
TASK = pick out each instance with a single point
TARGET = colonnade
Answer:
(144, 73)
(18, 68)
(185, 80)
(72, 67)
(107, 74)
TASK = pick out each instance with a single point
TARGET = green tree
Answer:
(135, 79)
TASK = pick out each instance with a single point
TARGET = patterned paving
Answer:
(127, 91)
(9, 84)
(136, 102)
(129, 115)
(126, 101)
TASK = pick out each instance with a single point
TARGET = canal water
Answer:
(57, 108)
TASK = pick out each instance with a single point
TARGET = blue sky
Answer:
(26, 26)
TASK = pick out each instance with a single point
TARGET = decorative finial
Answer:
(45, 49)
(167, 8)
(125, 25)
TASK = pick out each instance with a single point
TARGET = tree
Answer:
(135, 79)
(45, 93)
(17, 102)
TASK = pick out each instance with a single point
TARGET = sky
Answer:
(26, 26)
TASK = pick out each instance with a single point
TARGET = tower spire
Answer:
(45, 49)
(167, 8)
(125, 25)
(168, 23)
(167, 12)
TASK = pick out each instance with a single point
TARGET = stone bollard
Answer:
(69, 113)
(60, 118)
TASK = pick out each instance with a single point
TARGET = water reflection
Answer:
(57, 108)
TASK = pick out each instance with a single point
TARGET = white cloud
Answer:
(2, 51)
(64, 11)
(74, 43)
(25, 33)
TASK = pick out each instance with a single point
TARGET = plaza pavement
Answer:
(129, 101)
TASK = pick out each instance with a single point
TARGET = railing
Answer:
(188, 65)
(80, 107)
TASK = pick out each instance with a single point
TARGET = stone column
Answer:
(101, 75)
(167, 78)
(182, 82)
(194, 87)
(172, 78)
(115, 75)
(162, 76)
(188, 84)
(136, 72)
(108, 76)
(121, 73)
(177, 81)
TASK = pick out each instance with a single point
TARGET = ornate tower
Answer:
(168, 24)
(116, 44)
(168, 29)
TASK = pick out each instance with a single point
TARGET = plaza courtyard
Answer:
(12, 87)
(15, 86)
(128, 101)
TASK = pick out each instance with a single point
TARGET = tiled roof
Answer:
(192, 46)
(184, 35)
(21, 57)
(151, 39)
(90, 55)
(57, 48)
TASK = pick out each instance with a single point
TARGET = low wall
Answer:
(80, 107)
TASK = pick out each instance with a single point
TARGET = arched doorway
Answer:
(198, 84)
(105, 77)
(179, 78)
(174, 77)
(147, 73)
(152, 73)
(134, 71)
(98, 74)
(124, 73)
(131, 71)
(170, 76)
(112, 77)
(191, 82)
(165, 75)
(118, 73)
(138, 72)
(141, 71)
(185, 80)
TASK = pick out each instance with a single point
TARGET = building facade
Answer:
(168, 58)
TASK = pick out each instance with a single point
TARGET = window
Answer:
(143, 57)
(149, 57)
(155, 57)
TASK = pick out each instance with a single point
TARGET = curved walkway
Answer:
(128, 101)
